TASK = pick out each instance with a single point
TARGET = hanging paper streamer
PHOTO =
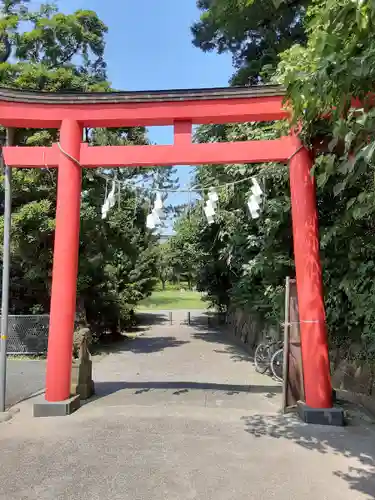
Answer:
(255, 199)
(156, 215)
(158, 204)
(211, 205)
(110, 201)
(254, 207)
(154, 218)
(210, 213)
(255, 188)
(150, 222)
(213, 197)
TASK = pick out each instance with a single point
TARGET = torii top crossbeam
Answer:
(147, 108)
(182, 109)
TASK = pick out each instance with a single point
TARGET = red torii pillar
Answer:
(65, 265)
(313, 330)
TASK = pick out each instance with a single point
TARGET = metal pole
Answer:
(6, 271)
(170, 318)
(286, 346)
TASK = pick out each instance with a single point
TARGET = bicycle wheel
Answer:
(262, 358)
(277, 365)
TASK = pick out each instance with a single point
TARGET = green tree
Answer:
(184, 247)
(164, 264)
(42, 60)
(242, 261)
(117, 267)
(322, 79)
(255, 32)
(245, 262)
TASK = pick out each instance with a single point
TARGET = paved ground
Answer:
(181, 414)
(24, 378)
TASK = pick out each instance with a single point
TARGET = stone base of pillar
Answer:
(45, 408)
(321, 416)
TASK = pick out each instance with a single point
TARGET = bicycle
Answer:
(277, 364)
(268, 356)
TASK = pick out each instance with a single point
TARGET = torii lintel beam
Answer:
(277, 150)
(147, 108)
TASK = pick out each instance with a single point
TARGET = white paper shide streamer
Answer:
(154, 218)
(110, 201)
(211, 205)
(255, 199)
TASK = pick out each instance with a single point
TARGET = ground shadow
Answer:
(139, 345)
(103, 389)
(148, 319)
(109, 344)
(236, 354)
(214, 330)
(216, 333)
(147, 345)
(355, 441)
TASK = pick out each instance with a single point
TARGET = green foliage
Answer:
(118, 257)
(164, 264)
(322, 79)
(117, 266)
(245, 262)
(184, 250)
(255, 32)
(173, 299)
(240, 261)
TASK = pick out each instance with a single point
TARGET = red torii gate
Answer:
(70, 112)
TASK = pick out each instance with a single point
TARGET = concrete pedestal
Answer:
(321, 416)
(43, 408)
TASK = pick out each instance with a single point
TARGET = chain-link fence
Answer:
(28, 334)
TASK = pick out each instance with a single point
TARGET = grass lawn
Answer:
(173, 299)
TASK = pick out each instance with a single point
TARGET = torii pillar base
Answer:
(43, 408)
(321, 416)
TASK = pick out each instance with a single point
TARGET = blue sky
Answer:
(149, 47)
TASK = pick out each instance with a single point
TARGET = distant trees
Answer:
(323, 53)
(118, 258)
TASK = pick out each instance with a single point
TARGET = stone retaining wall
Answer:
(249, 329)
(352, 380)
